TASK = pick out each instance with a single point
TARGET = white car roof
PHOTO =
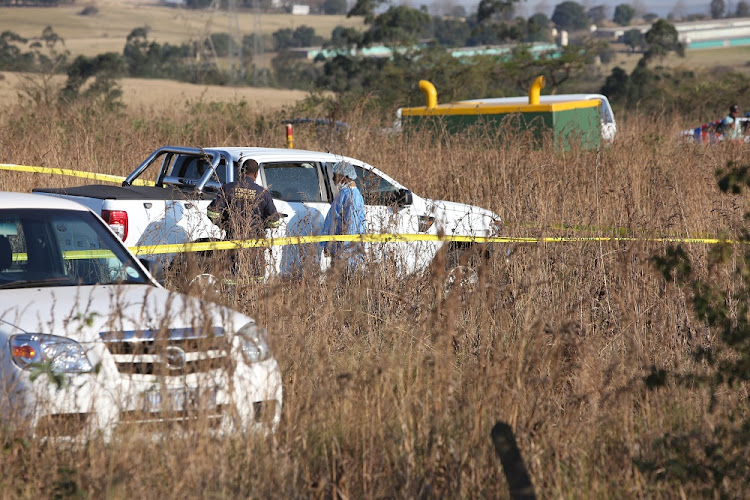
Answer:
(607, 115)
(542, 98)
(283, 154)
(28, 200)
(263, 155)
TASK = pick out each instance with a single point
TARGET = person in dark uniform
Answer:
(244, 210)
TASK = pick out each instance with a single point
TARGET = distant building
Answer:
(504, 51)
(300, 10)
(697, 34)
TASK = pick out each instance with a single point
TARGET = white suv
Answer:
(88, 339)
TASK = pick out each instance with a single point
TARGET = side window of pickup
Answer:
(375, 189)
(294, 181)
(193, 167)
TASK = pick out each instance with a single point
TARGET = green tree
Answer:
(221, 43)
(597, 13)
(624, 13)
(248, 43)
(283, 39)
(302, 36)
(458, 11)
(718, 9)
(10, 52)
(46, 58)
(484, 34)
(661, 39)
(570, 16)
(450, 32)
(634, 39)
(743, 9)
(399, 25)
(144, 58)
(366, 9)
(95, 78)
(616, 85)
(487, 9)
(292, 72)
(538, 29)
(334, 7)
(342, 37)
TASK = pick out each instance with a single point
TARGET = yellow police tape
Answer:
(70, 173)
(71, 255)
(366, 238)
(395, 238)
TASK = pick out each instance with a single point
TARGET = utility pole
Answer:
(236, 70)
(259, 77)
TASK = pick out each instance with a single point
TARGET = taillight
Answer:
(118, 221)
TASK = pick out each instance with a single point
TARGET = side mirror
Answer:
(154, 267)
(403, 197)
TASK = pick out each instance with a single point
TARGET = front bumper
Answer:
(244, 398)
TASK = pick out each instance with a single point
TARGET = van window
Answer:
(294, 181)
(606, 112)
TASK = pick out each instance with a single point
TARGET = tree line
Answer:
(419, 43)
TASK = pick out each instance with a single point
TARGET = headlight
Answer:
(254, 343)
(64, 354)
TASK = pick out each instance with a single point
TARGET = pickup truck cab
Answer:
(90, 342)
(185, 180)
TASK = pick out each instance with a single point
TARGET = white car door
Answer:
(299, 192)
(391, 209)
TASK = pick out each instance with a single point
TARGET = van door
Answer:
(300, 193)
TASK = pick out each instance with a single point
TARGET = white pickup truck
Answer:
(185, 180)
(89, 342)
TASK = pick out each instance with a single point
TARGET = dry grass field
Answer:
(152, 95)
(108, 30)
(722, 59)
(391, 385)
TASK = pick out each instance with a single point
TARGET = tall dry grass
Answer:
(391, 386)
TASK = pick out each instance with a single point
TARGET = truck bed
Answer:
(109, 192)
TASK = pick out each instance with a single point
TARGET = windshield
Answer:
(42, 247)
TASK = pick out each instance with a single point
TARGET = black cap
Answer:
(734, 108)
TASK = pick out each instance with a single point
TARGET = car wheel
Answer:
(205, 283)
(462, 278)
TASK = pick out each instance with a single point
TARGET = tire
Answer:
(462, 264)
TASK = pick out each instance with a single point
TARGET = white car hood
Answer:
(84, 313)
(463, 219)
(462, 208)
